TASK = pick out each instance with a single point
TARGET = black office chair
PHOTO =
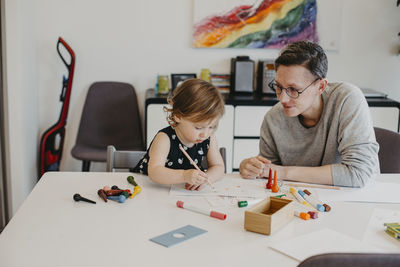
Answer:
(389, 150)
(110, 117)
(352, 260)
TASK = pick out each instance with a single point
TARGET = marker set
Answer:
(113, 193)
(305, 201)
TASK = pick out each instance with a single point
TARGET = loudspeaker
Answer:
(242, 75)
(265, 74)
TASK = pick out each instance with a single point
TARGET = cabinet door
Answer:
(156, 120)
(385, 117)
(244, 148)
(248, 120)
(224, 135)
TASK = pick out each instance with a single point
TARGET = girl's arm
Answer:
(215, 161)
(158, 173)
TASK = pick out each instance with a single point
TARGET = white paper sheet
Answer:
(317, 242)
(228, 187)
(374, 192)
(375, 233)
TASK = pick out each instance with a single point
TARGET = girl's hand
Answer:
(194, 177)
(194, 187)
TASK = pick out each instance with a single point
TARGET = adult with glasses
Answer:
(319, 132)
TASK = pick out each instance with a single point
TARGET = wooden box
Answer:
(269, 215)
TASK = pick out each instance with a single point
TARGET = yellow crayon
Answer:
(136, 190)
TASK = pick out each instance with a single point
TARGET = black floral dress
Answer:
(176, 159)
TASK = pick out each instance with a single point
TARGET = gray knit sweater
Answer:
(343, 138)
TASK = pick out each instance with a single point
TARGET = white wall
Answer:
(21, 99)
(133, 41)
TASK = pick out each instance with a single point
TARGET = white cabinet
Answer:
(248, 120)
(156, 120)
(244, 148)
(385, 117)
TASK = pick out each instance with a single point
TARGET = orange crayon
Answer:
(275, 187)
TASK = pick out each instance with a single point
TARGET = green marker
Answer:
(242, 204)
(131, 180)
(245, 203)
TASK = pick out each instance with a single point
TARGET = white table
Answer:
(50, 229)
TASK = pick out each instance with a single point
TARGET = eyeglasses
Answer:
(290, 91)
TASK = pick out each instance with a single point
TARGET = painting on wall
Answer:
(256, 24)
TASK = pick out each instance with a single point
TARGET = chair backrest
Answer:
(110, 116)
(118, 159)
(222, 151)
(389, 150)
(352, 260)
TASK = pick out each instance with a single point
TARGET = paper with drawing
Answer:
(235, 187)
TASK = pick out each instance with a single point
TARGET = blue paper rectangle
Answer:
(177, 236)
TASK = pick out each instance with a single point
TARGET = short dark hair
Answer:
(307, 54)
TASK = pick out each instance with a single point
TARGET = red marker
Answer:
(210, 213)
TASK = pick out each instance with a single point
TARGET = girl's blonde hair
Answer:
(195, 100)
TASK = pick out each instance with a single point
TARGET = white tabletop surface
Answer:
(50, 229)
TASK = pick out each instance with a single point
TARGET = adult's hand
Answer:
(253, 167)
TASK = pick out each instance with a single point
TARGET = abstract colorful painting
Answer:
(254, 24)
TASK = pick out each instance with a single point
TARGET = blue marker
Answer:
(310, 200)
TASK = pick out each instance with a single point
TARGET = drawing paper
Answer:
(322, 241)
(233, 187)
(375, 233)
(374, 192)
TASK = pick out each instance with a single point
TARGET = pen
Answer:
(393, 229)
(192, 162)
(302, 208)
(327, 207)
(298, 197)
(302, 215)
(210, 213)
(312, 201)
(313, 186)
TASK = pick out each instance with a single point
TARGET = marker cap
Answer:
(301, 193)
(304, 216)
(313, 215)
(327, 207)
(179, 204)
(218, 215)
(320, 207)
(242, 204)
